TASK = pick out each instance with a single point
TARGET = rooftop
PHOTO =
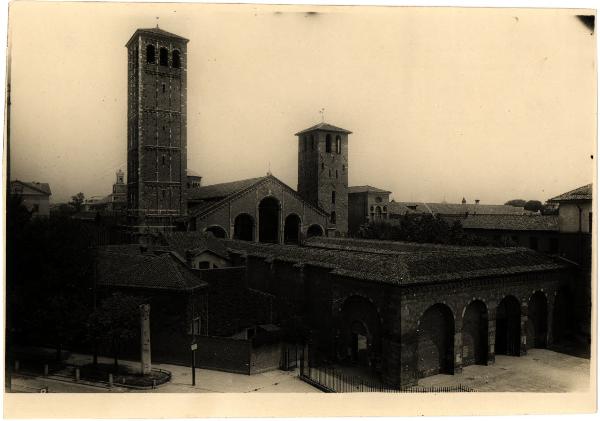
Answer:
(324, 127)
(192, 242)
(402, 263)
(43, 188)
(533, 222)
(157, 31)
(221, 190)
(130, 266)
(455, 208)
(366, 189)
(580, 193)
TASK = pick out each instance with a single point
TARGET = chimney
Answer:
(476, 201)
(464, 201)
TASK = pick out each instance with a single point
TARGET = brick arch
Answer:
(359, 323)
(312, 230)
(292, 226)
(243, 227)
(269, 215)
(508, 326)
(217, 230)
(474, 332)
(435, 340)
(537, 319)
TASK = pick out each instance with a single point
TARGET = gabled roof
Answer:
(458, 208)
(156, 31)
(43, 188)
(324, 127)
(366, 189)
(532, 222)
(221, 190)
(193, 242)
(128, 266)
(580, 193)
(210, 198)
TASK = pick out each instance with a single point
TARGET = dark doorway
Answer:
(435, 346)
(508, 327)
(359, 340)
(475, 334)
(314, 231)
(537, 320)
(561, 322)
(217, 231)
(291, 230)
(243, 227)
(268, 220)
(360, 344)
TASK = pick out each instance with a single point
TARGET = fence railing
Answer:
(336, 380)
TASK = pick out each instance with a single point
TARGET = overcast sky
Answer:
(443, 103)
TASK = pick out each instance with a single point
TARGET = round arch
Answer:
(360, 331)
(315, 230)
(243, 227)
(268, 220)
(291, 229)
(537, 320)
(508, 326)
(561, 322)
(475, 333)
(216, 230)
(435, 341)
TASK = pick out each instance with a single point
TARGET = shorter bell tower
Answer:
(323, 172)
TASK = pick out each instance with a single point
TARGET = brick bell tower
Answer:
(156, 129)
(323, 172)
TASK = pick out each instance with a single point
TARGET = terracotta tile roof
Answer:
(366, 189)
(128, 266)
(580, 193)
(458, 208)
(403, 263)
(43, 188)
(325, 127)
(221, 190)
(193, 242)
(532, 222)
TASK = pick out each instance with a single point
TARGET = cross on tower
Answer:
(322, 112)
(157, 18)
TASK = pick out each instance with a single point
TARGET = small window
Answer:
(35, 208)
(176, 59)
(332, 217)
(322, 165)
(163, 57)
(343, 167)
(150, 54)
(372, 208)
(164, 88)
(328, 143)
(164, 159)
(164, 194)
(338, 144)
(333, 197)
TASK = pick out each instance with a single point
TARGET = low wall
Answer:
(224, 354)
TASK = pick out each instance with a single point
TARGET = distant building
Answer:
(537, 232)
(194, 180)
(366, 204)
(114, 202)
(399, 209)
(36, 196)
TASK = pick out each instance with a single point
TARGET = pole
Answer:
(194, 368)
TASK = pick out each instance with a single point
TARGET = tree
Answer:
(519, 203)
(116, 321)
(77, 201)
(533, 205)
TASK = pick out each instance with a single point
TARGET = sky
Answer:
(443, 103)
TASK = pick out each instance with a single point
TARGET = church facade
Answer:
(160, 195)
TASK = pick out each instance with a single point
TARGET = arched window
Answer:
(176, 59)
(338, 144)
(150, 54)
(322, 165)
(163, 57)
(328, 143)
(332, 217)
(333, 197)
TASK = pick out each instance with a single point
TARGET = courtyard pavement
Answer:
(541, 370)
